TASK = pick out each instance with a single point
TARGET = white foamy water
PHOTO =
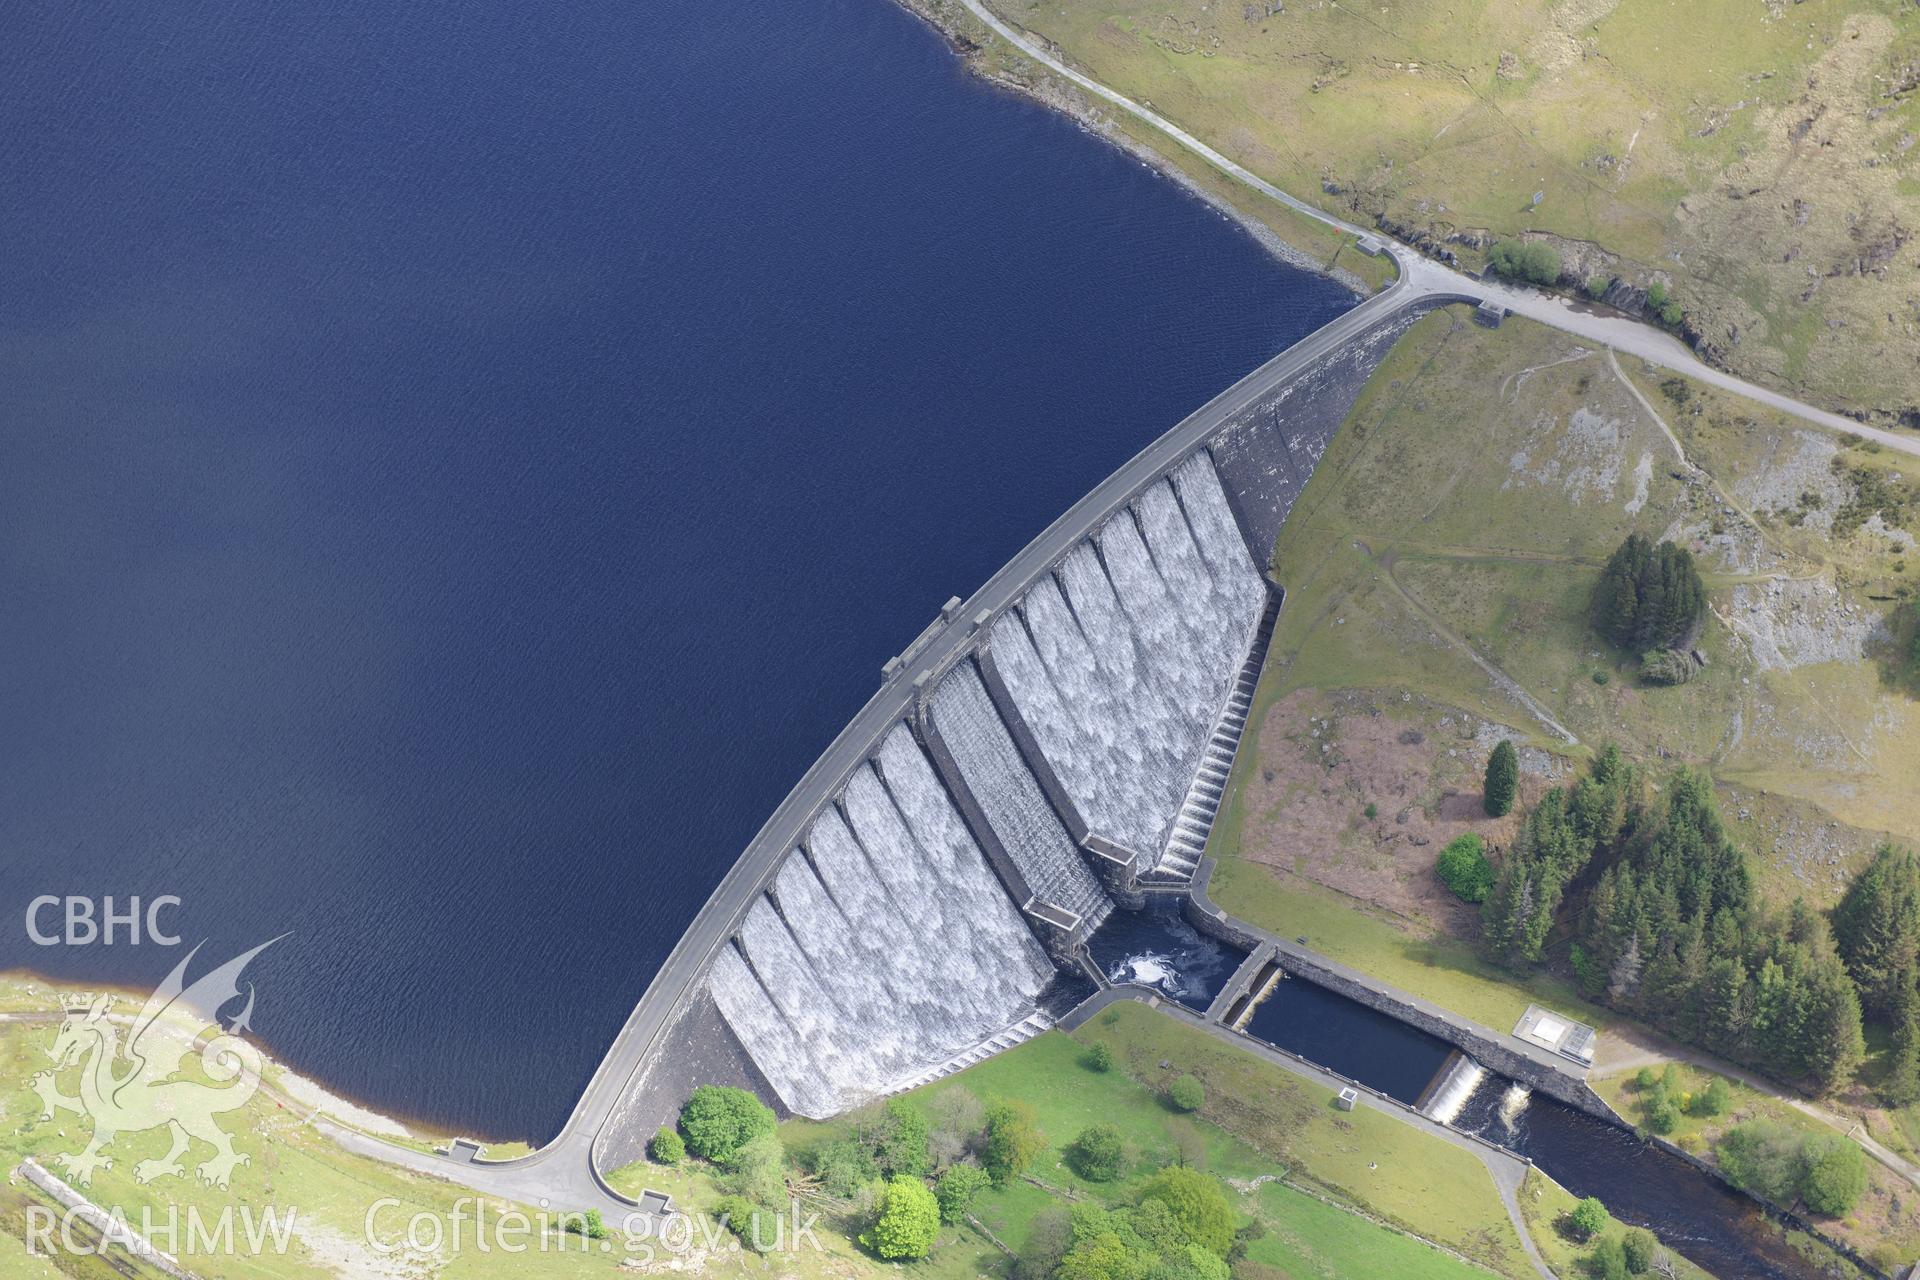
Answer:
(1512, 1103)
(885, 946)
(1121, 659)
(1454, 1091)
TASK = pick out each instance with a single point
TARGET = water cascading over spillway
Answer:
(1463, 1076)
(1015, 806)
(1120, 661)
(884, 946)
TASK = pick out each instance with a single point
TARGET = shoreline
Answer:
(301, 1086)
(1050, 92)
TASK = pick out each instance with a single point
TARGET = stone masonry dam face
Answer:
(890, 943)
(926, 909)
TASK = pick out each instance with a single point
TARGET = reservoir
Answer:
(460, 463)
(1716, 1227)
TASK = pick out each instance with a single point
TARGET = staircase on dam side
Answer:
(1187, 840)
(1019, 1033)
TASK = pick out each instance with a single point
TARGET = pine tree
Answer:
(1647, 597)
(1831, 1046)
(1727, 1011)
(1519, 936)
(1902, 1084)
(1503, 780)
(1876, 927)
(1624, 979)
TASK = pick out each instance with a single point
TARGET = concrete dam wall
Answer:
(884, 946)
(1019, 773)
(1119, 662)
(907, 928)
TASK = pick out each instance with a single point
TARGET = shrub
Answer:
(1640, 1249)
(718, 1121)
(1187, 1094)
(1645, 1078)
(1099, 1154)
(908, 1224)
(1666, 666)
(1372, 811)
(1013, 1141)
(1503, 780)
(741, 1217)
(588, 1224)
(760, 1171)
(897, 1136)
(1099, 1058)
(1530, 260)
(1199, 1206)
(666, 1147)
(1588, 1218)
(1463, 867)
(1048, 1238)
(1761, 1157)
(844, 1167)
(1712, 1100)
(1601, 677)
(957, 1189)
(1597, 287)
(1834, 1174)
(958, 1119)
(1608, 1261)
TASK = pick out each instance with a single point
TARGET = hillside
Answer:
(1439, 566)
(1769, 187)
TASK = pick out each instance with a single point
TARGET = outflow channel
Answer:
(1640, 1184)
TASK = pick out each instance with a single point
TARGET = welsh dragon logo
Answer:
(140, 1086)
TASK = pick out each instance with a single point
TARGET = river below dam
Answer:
(1718, 1228)
(460, 463)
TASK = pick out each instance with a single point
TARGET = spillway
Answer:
(903, 933)
(1016, 807)
(883, 946)
(1120, 660)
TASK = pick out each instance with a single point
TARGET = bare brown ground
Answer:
(1324, 757)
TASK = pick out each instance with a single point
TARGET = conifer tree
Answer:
(1902, 1084)
(1876, 927)
(1624, 979)
(1503, 780)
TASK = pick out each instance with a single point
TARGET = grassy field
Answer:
(1259, 1123)
(1769, 185)
(292, 1169)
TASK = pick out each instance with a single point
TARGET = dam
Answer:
(900, 934)
(1018, 816)
(1046, 753)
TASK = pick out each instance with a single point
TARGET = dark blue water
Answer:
(1345, 1036)
(459, 463)
(1715, 1226)
(1156, 947)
